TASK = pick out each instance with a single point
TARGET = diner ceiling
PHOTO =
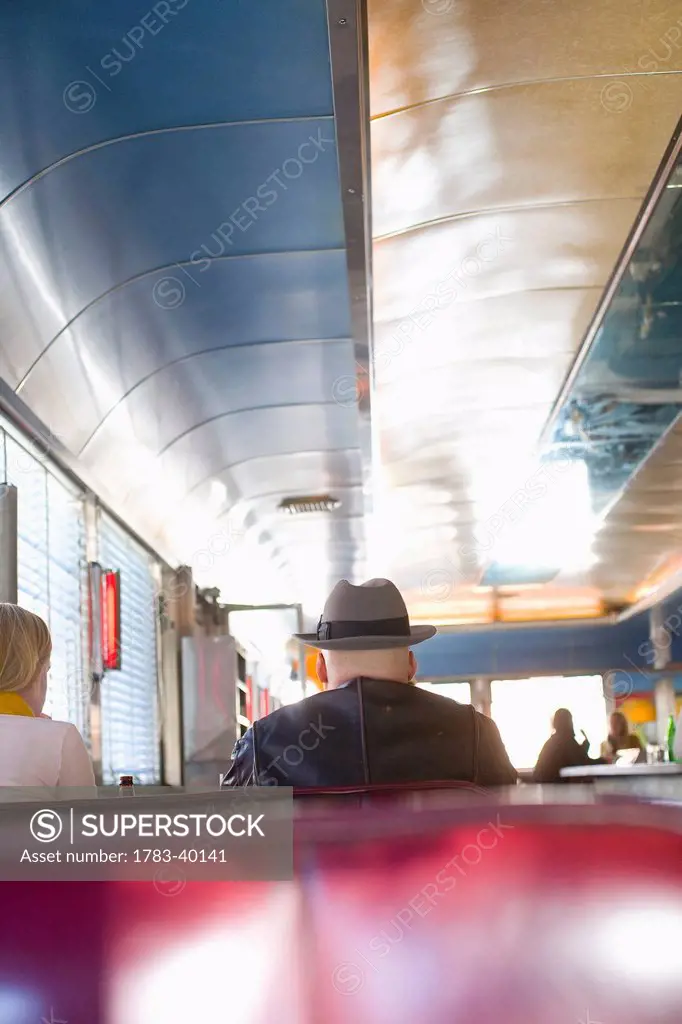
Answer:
(183, 293)
(192, 308)
(513, 151)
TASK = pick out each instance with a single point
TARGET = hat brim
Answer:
(368, 643)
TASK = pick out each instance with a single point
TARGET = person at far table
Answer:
(620, 738)
(562, 750)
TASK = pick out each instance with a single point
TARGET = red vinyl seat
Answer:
(477, 912)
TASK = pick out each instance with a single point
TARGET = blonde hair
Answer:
(25, 647)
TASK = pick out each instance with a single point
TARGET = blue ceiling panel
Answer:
(173, 262)
(127, 336)
(133, 331)
(220, 382)
(303, 473)
(501, 652)
(118, 212)
(78, 71)
(209, 448)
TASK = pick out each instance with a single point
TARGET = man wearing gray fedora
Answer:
(370, 726)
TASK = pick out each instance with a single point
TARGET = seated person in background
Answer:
(562, 750)
(34, 751)
(620, 738)
(370, 725)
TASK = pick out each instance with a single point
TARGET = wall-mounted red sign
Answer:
(111, 619)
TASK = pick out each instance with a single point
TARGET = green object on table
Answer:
(670, 738)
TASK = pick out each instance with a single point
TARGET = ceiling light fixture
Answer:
(309, 503)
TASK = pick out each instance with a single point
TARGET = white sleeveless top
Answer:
(40, 752)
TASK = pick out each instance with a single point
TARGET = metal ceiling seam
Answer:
(204, 352)
(267, 254)
(95, 146)
(255, 458)
(660, 179)
(526, 83)
(240, 412)
(489, 211)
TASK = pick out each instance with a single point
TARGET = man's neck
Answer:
(382, 679)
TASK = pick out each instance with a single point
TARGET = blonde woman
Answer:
(34, 751)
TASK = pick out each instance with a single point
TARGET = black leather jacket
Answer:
(371, 731)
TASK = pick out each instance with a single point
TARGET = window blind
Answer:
(130, 717)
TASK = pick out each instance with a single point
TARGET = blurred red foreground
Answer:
(447, 911)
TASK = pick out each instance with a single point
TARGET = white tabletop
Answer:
(614, 771)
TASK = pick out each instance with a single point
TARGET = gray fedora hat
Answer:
(372, 616)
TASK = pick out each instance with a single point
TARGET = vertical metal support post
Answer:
(95, 666)
(176, 601)
(9, 581)
(664, 689)
(92, 635)
(481, 696)
(609, 691)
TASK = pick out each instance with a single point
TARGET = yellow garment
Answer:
(13, 704)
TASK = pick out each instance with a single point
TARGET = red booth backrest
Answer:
(478, 914)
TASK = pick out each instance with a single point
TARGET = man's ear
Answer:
(321, 669)
(413, 667)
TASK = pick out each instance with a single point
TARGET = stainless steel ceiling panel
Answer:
(340, 530)
(191, 458)
(640, 541)
(308, 472)
(79, 72)
(210, 384)
(102, 357)
(52, 257)
(165, 228)
(533, 326)
(422, 51)
(242, 429)
(532, 125)
(446, 267)
(515, 147)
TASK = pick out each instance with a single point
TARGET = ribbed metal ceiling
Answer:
(513, 146)
(174, 289)
(184, 288)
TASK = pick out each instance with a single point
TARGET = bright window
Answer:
(456, 691)
(523, 711)
(51, 557)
